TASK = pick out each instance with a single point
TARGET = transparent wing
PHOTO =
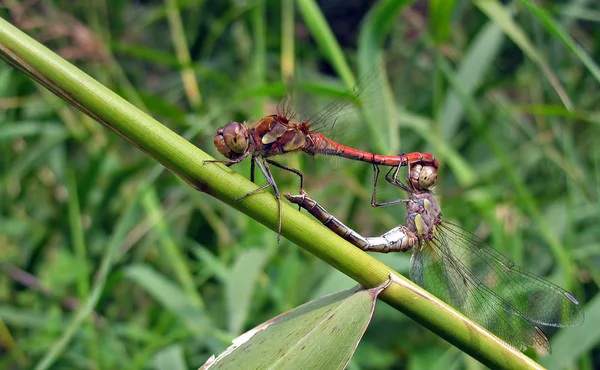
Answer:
(285, 107)
(348, 106)
(539, 300)
(474, 278)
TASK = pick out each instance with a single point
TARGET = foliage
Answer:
(508, 106)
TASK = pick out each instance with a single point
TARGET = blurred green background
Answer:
(504, 95)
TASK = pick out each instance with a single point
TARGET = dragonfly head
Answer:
(421, 178)
(232, 140)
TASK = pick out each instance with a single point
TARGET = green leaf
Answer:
(241, 285)
(440, 15)
(323, 333)
(12, 130)
(211, 264)
(334, 281)
(170, 358)
(169, 295)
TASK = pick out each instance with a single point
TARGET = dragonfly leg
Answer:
(268, 177)
(374, 202)
(228, 162)
(266, 171)
(292, 170)
(276, 190)
(394, 180)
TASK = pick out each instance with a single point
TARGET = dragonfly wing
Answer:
(437, 269)
(537, 299)
(350, 104)
(416, 266)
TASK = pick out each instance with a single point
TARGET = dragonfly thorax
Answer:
(423, 214)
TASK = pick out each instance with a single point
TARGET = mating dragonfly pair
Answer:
(448, 261)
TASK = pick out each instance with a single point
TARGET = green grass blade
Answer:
(555, 29)
(170, 296)
(170, 358)
(502, 17)
(440, 17)
(123, 225)
(259, 22)
(241, 285)
(527, 199)
(383, 121)
(462, 169)
(169, 247)
(192, 91)
(287, 40)
(471, 72)
(319, 29)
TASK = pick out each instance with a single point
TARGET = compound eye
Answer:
(236, 137)
(427, 177)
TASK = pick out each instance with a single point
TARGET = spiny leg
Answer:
(394, 180)
(292, 170)
(374, 202)
(266, 171)
(266, 174)
(228, 162)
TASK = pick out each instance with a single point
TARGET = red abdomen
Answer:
(323, 145)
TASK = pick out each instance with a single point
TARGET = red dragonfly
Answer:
(279, 134)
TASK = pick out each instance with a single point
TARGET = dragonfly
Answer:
(279, 134)
(461, 269)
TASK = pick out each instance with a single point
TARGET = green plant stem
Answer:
(186, 161)
(260, 51)
(287, 40)
(192, 91)
(319, 29)
(80, 251)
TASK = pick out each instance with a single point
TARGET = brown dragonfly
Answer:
(279, 134)
(462, 270)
